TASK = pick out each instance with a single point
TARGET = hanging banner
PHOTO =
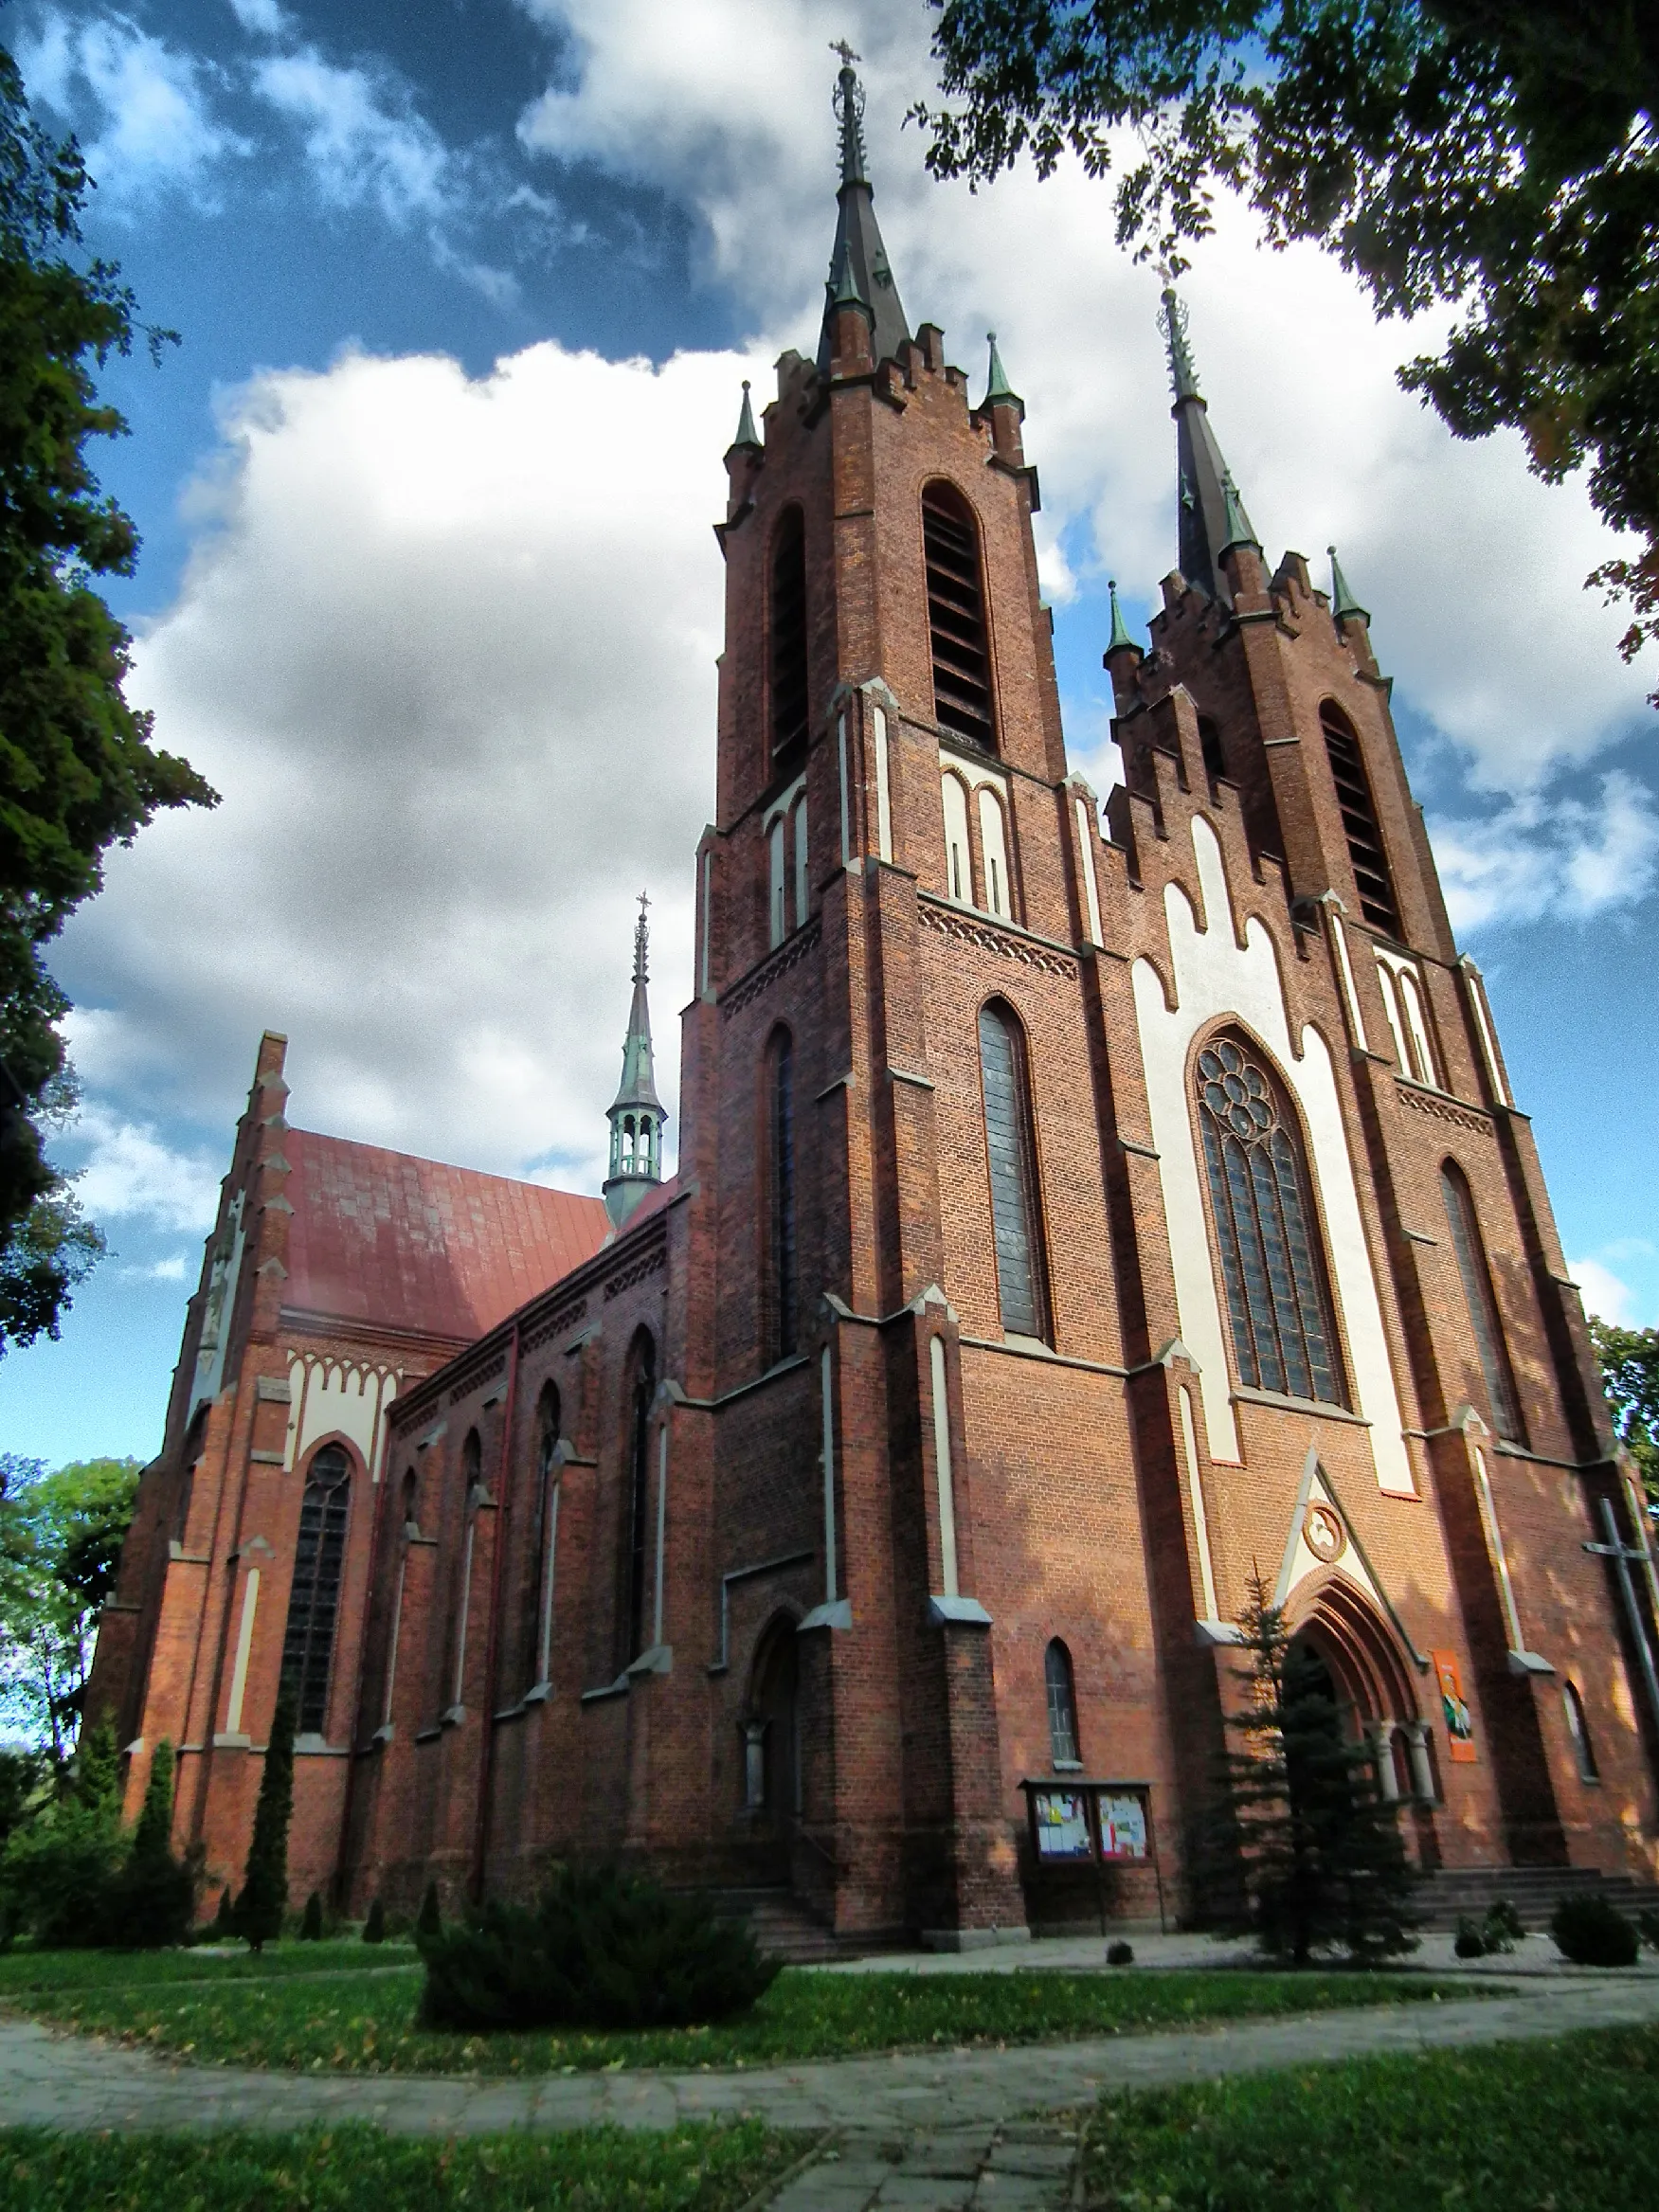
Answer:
(1459, 1726)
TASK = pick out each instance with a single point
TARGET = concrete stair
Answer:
(1448, 1895)
(783, 1926)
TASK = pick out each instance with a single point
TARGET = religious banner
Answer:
(1122, 1827)
(1459, 1727)
(1062, 1823)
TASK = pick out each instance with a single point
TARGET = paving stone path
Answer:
(921, 2130)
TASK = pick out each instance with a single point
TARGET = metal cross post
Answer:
(1623, 1558)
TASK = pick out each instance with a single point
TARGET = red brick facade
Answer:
(637, 1566)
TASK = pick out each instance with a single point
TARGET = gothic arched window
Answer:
(1366, 851)
(788, 632)
(1483, 1318)
(1062, 1705)
(956, 615)
(639, 1499)
(314, 1602)
(994, 849)
(958, 852)
(1578, 1729)
(781, 1194)
(1283, 1338)
(1011, 1152)
(544, 1536)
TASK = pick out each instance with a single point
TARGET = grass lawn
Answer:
(229, 2012)
(24, 1971)
(1563, 2127)
(700, 2168)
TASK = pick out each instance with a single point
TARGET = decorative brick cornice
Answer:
(986, 937)
(566, 1316)
(1445, 1110)
(475, 1378)
(788, 955)
(649, 1264)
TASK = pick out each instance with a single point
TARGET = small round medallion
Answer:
(1325, 1537)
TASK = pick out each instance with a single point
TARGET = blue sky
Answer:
(466, 289)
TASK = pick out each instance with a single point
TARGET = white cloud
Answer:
(130, 1173)
(1545, 852)
(154, 128)
(362, 143)
(264, 18)
(171, 1269)
(447, 648)
(1604, 1293)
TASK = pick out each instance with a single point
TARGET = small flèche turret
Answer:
(637, 1115)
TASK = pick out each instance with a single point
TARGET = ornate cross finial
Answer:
(845, 51)
(1183, 377)
(642, 937)
(849, 103)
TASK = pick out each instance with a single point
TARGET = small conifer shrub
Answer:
(1470, 1942)
(374, 1927)
(1120, 1953)
(429, 1919)
(311, 1924)
(1591, 1932)
(598, 1950)
(264, 1901)
(150, 1899)
(1648, 1926)
(1503, 1927)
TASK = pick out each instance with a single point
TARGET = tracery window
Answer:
(956, 615)
(780, 1165)
(1062, 1705)
(1272, 1269)
(1483, 1318)
(1366, 851)
(1011, 1152)
(314, 1602)
(788, 632)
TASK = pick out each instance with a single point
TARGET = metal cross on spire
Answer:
(849, 104)
(642, 934)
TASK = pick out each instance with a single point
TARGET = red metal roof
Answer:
(410, 1243)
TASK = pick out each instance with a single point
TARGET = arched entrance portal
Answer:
(771, 1772)
(1347, 1647)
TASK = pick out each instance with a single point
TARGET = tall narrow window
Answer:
(956, 615)
(645, 1391)
(543, 1531)
(1062, 1706)
(1366, 851)
(314, 1603)
(957, 854)
(1483, 1317)
(994, 847)
(800, 859)
(1012, 1155)
(1215, 759)
(780, 1148)
(1283, 1338)
(788, 626)
(777, 882)
(1578, 1729)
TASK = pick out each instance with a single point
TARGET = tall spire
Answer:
(637, 1115)
(1211, 513)
(859, 271)
(745, 431)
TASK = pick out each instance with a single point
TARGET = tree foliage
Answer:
(1630, 1374)
(1500, 156)
(78, 773)
(264, 1901)
(1306, 1853)
(60, 1538)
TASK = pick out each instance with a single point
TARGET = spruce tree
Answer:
(429, 1920)
(1315, 1849)
(264, 1890)
(374, 1927)
(311, 1925)
(152, 1837)
(98, 1781)
(152, 1900)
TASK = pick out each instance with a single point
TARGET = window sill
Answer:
(1242, 1394)
(1068, 1766)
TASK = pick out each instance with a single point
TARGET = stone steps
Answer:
(1452, 1892)
(781, 1925)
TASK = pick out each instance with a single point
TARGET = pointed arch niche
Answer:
(1213, 980)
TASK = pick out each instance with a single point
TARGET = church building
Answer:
(1077, 1214)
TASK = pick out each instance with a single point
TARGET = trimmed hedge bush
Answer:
(1470, 1943)
(1591, 1932)
(1120, 1953)
(374, 1927)
(599, 1949)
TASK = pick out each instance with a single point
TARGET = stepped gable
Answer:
(413, 1244)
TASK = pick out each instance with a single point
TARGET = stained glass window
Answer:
(1283, 1338)
(1062, 1705)
(1012, 1165)
(314, 1603)
(1483, 1306)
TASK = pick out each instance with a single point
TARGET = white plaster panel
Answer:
(1214, 977)
(332, 1398)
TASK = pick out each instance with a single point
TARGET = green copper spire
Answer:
(1240, 530)
(745, 431)
(850, 102)
(637, 1115)
(1343, 603)
(860, 273)
(997, 388)
(1183, 377)
(1120, 635)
